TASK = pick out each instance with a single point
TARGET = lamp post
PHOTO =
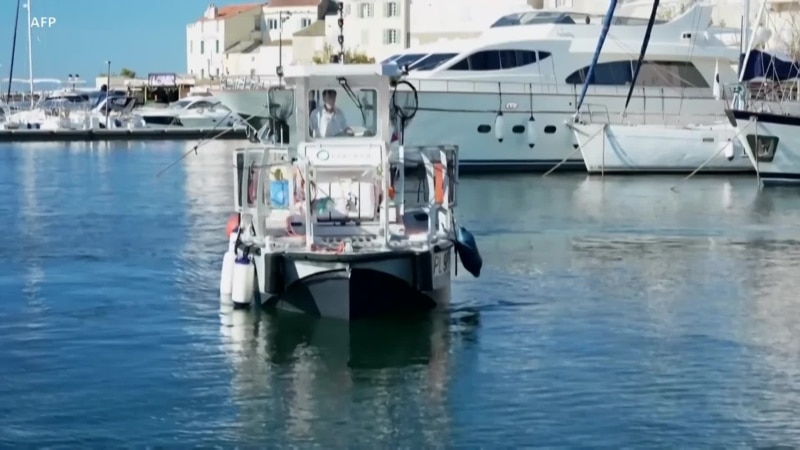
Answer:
(282, 17)
(108, 86)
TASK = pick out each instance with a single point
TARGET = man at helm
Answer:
(328, 120)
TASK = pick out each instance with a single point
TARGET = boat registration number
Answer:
(441, 263)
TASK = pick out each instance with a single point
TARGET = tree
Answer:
(350, 56)
(669, 12)
(786, 36)
(124, 73)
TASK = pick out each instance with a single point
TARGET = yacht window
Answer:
(432, 61)
(409, 59)
(499, 59)
(201, 105)
(653, 73)
(389, 59)
(180, 104)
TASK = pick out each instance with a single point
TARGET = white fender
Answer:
(243, 281)
(499, 126)
(532, 133)
(729, 150)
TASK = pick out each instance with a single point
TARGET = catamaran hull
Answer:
(352, 287)
(618, 148)
(770, 141)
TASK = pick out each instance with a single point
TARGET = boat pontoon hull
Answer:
(355, 286)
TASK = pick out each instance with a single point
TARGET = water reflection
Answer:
(314, 380)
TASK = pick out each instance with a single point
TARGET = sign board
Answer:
(161, 79)
(441, 263)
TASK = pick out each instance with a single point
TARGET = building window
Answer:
(202, 73)
(217, 71)
(304, 22)
(217, 45)
(563, 3)
(365, 10)
(390, 36)
(272, 24)
(392, 9)
(258, 23)
(202, 47)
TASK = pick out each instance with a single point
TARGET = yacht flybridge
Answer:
(504, 96)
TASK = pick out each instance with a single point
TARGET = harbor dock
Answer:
(119, 134)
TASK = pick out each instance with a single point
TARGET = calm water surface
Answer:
(610, 314)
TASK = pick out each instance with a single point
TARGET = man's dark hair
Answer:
(329, 92)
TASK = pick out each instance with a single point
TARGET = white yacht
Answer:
(198, 111)
(504, 97)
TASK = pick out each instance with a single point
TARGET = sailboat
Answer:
(659, 148)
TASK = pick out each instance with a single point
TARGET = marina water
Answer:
(609, 313)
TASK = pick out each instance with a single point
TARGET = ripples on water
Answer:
(609, 314)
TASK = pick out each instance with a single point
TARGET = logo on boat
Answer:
(323, 155)
(511, 105)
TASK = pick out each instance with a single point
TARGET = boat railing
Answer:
(425, 179)
(551, 88)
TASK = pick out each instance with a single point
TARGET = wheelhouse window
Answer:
(340, 112)
(672, 74)
(433, 61)
(499, 60)
(389, 59)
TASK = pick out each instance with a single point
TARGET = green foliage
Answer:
(124, 73)
(350, 56)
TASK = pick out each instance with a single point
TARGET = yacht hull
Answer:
(617, 148)
(465, 112)
(770, 141)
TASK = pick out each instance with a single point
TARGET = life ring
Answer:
(233, 225)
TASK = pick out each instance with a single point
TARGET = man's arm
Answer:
(343, 123)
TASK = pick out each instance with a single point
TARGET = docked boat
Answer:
(192, 112)
(75, 110)
(608, 147)
(769, 140)
(619, 148)
(351, 225)
(504, 97)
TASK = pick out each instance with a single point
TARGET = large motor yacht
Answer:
(504, 97)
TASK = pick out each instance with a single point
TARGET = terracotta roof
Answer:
(225, 12)
(291, 3)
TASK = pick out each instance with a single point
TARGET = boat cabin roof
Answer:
(356, 74)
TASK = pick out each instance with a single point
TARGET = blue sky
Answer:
(142, 35)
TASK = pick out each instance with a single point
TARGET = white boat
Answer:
(71, 109)
(770, 141)
(192, 112)
(346, 227)
(620, 148)
(504, 97)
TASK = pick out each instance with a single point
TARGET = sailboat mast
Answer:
(745, 26)
(30, 53)
(13, 52)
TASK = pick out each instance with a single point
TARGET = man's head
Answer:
(329, 99)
